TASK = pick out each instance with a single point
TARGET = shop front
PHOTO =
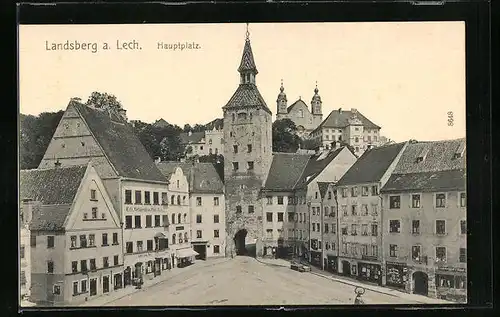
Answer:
(185, 257)
(316, 258)
(396, 275)
(332, 263)
(117, 281)
(370, 272)
(451, 284)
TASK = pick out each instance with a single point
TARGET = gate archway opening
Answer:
(239, 242)
(421, 281)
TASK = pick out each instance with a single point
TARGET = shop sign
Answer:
(152, 208)
(453, 269)
(395, 263)
(179, 228)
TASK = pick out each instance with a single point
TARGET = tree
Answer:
(187, 128)
(308, 144)
(285, 138)
(104, 100)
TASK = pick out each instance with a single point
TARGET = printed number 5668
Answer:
(450, 118)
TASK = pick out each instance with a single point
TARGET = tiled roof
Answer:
(296, 103)
(323, 186)
(427, 182)
(195, 137)
(54, 186)
(120, 144)
(316, 164)
(160, 123)
(202, 177)
(339, 119)
(246, 95)
(49, 217)
(217, 123)
(439, 156)
(372, 165)
(247, 60)
(285, 170)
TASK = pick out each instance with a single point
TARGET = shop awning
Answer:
(160, 235)
(185, 253)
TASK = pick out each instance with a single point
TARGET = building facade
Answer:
(25, 213)
(424, 219)
(347, 127)
(76, 236)
(330, 237)
(208, 142)
(359, 201)
(306, 120)
(247, 156)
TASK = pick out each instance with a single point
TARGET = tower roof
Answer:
(247, 61)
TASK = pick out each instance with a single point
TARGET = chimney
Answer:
(340, 110)
(157, 159)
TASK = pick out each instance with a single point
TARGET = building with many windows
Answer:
(424, 221)
(328, 219)
(359, 207)
(76, 237)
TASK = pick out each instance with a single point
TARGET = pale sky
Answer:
(405, 77)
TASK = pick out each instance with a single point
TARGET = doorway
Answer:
(346, 268)
(127, 276)
(105, 284)
(239, 242)
(93, 287)
(421, 281)
(202, 251)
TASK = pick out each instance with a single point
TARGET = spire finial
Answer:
(282, 88)
(247, 37)
(316, 89)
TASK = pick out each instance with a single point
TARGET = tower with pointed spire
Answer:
(247, 158)
(316, 107)
(281, 103)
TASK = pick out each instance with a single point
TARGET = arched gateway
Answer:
(243, 245)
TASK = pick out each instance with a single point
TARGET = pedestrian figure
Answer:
(358, 300)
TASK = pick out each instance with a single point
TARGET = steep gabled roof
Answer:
(120, 144)
(49, 218)
(195, 137)
(202, 177)
(247, 60)
(161, 123)
(372, 165)
(447, 180)
(56, 186)
(247, 95)
(316, 164)
(285, 171)
(339, 119)
(299, 102)
(323, 187)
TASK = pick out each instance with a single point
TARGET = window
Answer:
(440, 200)
(147, 197)
(354, 210)
(364, 249)
(440, 226)
(216, 249)
(463, 227)
(394, 202)
(149, 245)
(364, 230)
(216, 233)
(129, 247)
(374, 190)
(463, 200)
(415, 253)
(235, 148)
(115, 260)
(440, 254)
(157, 221)
(156, 198)
(280, 217)
(216, 201)
(164, 219)
(280, 200)
(198, 218)
(50, 241)
(364, 191)
(173, 238)
(104, 239)
(249, 148)
(94, 212)
(198, 201)
(269, 233)
(251, 209)
(235, 166)
(74, 266)
(84, 286)
(32, 240)
(374, 250)
(128, 222)
(92, 264)
(173, 218)
(115, 238)
(463, 255)
(354, 192)
(216, 218)
(354, 230)
(374, 230)
(269, 217)
(179, 218)
(364, 210)
(138, 221)
(250, 166)
(269, 200)
(329, 195)
(50, 267)
(178, 201)
(93, 194)
(75, 288)
(394, 226)
(164, 199)
(393, 250)
(344, 192)
(198, 234)
(138, 197)
(326, 228)
(83, 241)
(374, 210)
(415, 201)
(139, 246)
(185, 237)
(91, 240)
(344, 210)
(149, 221)
(128, 197)
(415, 227)
(238, 209)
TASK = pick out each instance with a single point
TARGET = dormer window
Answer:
(422, 155)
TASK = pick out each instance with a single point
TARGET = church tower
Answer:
(316, 107)
(247, 159)
(281, 103)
